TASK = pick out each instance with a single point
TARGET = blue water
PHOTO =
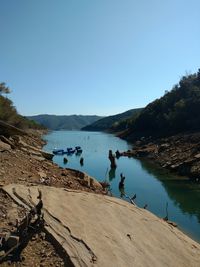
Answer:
(153, 186)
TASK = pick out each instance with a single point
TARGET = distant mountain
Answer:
(65, 122)
(111, 122)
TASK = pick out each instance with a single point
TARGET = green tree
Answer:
(4, 89)
(177, 111)
(9, 114)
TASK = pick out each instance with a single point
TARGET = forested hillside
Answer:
(112, 123)
(9, 114)
(177, 111)
(65, 122)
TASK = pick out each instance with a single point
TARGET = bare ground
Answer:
(22, 163)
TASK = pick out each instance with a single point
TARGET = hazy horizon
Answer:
(78, 114)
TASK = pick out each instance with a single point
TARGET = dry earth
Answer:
(98, 230)
(83, 229)
(23, 162)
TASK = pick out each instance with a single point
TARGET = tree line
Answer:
(176, 111)
(9, 114)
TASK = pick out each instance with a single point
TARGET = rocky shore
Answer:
(82, 225)
(23, 162)
(179, 153)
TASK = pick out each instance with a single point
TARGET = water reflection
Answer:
(81, 161)
(177, 189)
(121, 185)
(152, 185)
(122, 191)
(112, 174)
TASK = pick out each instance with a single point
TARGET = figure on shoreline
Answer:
(112, 160)
(117, 153)
(121, 185)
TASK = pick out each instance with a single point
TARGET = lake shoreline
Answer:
(152, 184)
(31, 169)
(180, 153)
(23, 162)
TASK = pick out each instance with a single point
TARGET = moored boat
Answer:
(78, 150)
(58, 151)
(68, 151)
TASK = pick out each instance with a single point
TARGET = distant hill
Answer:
(178, 111)
(110, 122)
(65, 122)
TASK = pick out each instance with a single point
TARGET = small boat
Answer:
(58, 151)
(78, 150)
(70, 150)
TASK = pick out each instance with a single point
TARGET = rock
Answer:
(34, 151)
(64, 172)
(197, 156)
(33, 238)
(129, 153)
(22, 143)
(42, 174)
(38, 158)
(95, 184)
(22, 179)
(7, 141)
(189, 161)
(174, 155)
(46, 155)
(146, 151)
(175, 166)
(102, 231)
(90, 182)
(162, 147)
(2, 253)
(43, 236)
(195, 170)
(4, 146)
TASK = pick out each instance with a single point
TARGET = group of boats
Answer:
(68, 151)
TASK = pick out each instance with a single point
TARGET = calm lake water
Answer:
(153, 186)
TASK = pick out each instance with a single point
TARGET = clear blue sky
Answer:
(95, 56)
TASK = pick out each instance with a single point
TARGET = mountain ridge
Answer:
(107, 123)
(64, 122)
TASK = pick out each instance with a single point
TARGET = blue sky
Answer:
(95, 56)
